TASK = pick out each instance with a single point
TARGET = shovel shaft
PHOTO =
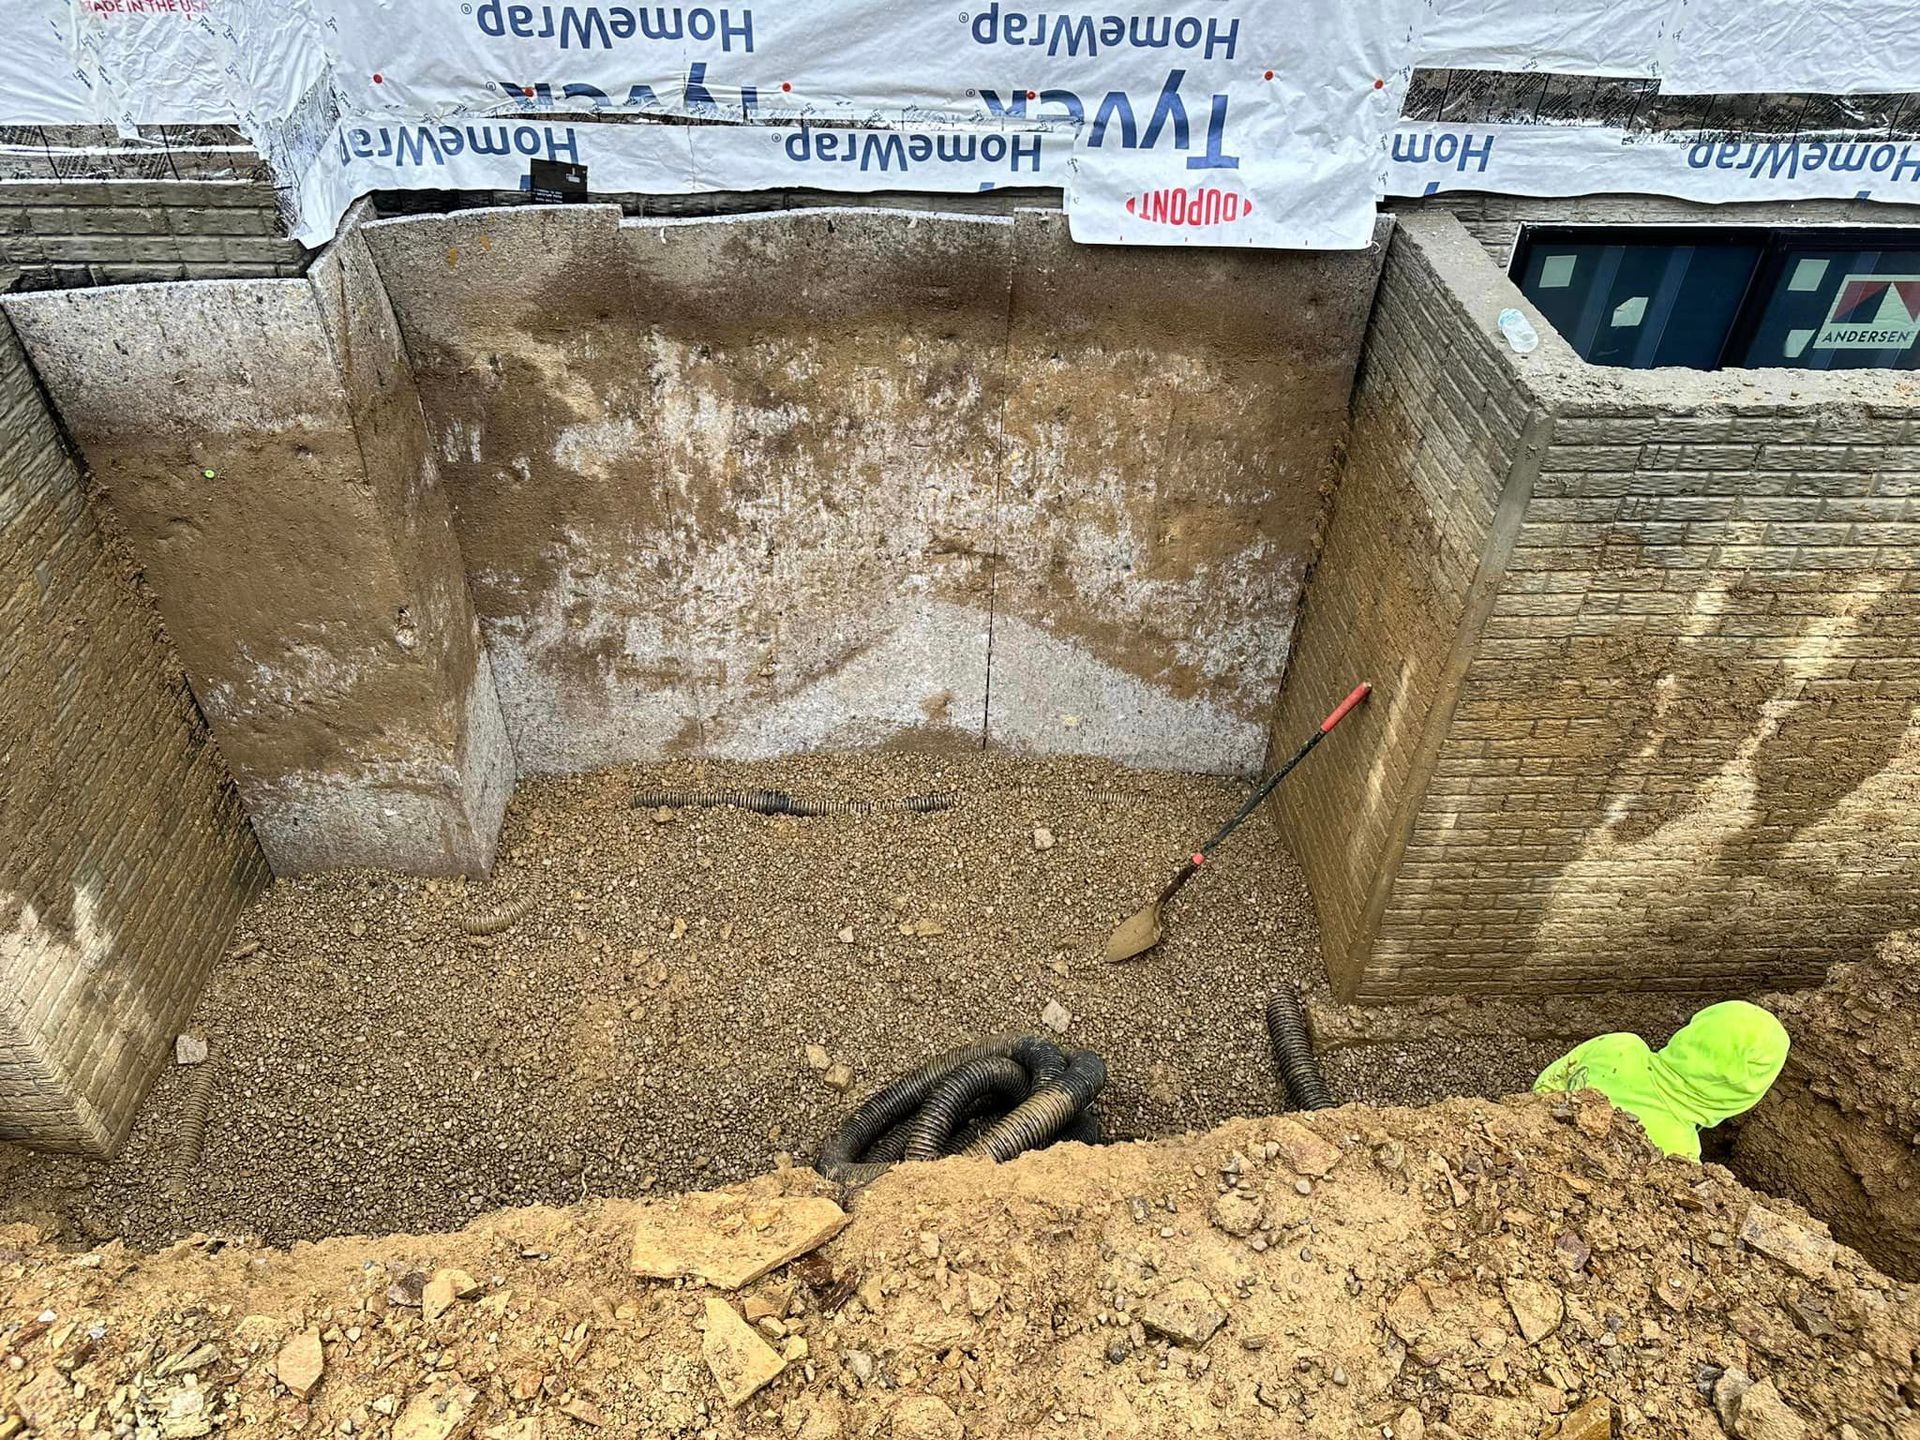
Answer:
(1267, 786)
(1141, 931)
(1172, 888)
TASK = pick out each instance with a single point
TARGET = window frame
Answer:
(1778, 246)
(1652, 234)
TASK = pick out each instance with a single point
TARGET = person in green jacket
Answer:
(1716, 1066)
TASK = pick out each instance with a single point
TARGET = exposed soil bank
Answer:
(1839, 1129)
(1470, 1272)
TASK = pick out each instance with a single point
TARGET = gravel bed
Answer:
(646, 1022)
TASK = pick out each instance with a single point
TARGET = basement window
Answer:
(1712, 297)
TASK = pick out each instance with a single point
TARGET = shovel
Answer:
(1141, 931)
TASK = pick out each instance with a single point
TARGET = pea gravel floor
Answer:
(647, 1022)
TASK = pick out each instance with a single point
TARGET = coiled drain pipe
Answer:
(841, 1157)
(1043, 1059)
(956, 1097)
(1083, 1129)
(1293, 1057)
(1045, 1113)
(780, 802)
(933, 1110)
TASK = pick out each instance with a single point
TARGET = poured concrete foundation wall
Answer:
(747, 485)
(124, 857)
(261, 447)
(1675, 742)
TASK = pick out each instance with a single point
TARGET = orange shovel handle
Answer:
(1360, 692)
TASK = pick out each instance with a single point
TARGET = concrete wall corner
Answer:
(264, 457)
(1445, 432)
(125, 857)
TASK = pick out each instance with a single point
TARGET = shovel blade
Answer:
(1137, 934)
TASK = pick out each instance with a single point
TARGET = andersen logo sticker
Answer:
(1198, 205)
(1872, 312)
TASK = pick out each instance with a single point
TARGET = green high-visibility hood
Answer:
(1718, 1065)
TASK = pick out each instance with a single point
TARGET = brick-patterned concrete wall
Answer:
(64, 233)
(124, 858)
(1678, 745)
(1435, 427)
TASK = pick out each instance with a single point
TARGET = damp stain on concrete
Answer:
(699, 496)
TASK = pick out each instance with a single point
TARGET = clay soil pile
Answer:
(1475, 1270)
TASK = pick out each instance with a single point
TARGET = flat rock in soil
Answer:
(300, 1363)
(436, 1413)
(1592, 1421)
(1537, 1309)
(1305, 1151)
(1805, 1252)
(1432, 1319)
(1184, 1312)
(741, 1362)
(1727, 1390)
(446, 1286)
(1760, 1414)
(730, 1240)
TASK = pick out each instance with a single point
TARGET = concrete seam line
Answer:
(1516, 493)
(994, 550)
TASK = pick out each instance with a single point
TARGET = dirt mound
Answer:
(1475, 1270)
(1839, 1129)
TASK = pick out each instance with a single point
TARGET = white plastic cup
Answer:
(1519, 332)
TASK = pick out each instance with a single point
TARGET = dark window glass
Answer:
(1641, 303)
(1836, 307)
(1707, 296)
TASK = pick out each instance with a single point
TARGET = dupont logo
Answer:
(1199, 205)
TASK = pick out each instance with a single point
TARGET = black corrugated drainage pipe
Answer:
(938, 1108)
(1048, 1111)
(1293, 1057)
(840, 1157)
(977, 1083)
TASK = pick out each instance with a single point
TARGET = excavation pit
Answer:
(645, 1024)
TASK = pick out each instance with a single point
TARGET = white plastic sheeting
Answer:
(155, 62)
(1735, 47)
(1427, 159)
(1208, 123)
(1569, 37)
(1215, 122)
(42, 78)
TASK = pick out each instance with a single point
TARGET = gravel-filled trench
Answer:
(647, 1023)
